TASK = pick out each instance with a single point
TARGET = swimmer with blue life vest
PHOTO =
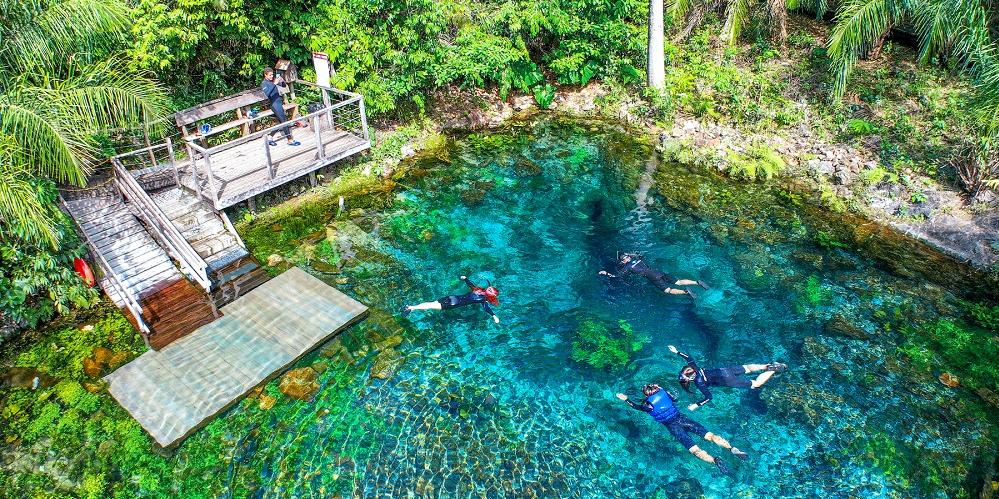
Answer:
(632, 262)
(723, 376)
(660, 405)
(477, 295)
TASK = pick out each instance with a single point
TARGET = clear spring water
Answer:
(479, 409)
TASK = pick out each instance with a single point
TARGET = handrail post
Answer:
(194, 169)
(267, 155)
(211, 179)
(364, 119)
(173, 160)
(326, 104)
(320, 154)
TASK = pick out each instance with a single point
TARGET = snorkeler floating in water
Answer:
(659, 404)
(724, 376)
(485, 296)
(630, 262)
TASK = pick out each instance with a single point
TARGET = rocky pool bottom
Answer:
(892, 348)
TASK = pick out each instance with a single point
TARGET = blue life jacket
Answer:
(663, 408)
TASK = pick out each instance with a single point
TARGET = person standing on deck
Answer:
(660, 405)
(630, 262)
(723, 376)
(270, 88)
(477, 295)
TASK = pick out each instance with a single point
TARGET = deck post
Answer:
(251, 204)
(194, 169)
(364, 119)
(211, 180)
(173, 161)
(326, 104)
(320, 153)
(267, 155)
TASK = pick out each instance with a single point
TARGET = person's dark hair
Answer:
(685, 378)
(268, 69)
(650, 389)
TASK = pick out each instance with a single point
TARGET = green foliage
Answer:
(860, 127)
(395, 52)
(828, 241)
(602, 348)
(877, 175)
(983, 315)
(758, 161)
(829, 199)
(543, 95)
(814, 293)
(963, 349)
(38, 282)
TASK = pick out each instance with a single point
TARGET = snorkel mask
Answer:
(686, 376)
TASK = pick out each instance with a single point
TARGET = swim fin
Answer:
(406, 310)
(739, 454)
(703, 284)
(722, 467)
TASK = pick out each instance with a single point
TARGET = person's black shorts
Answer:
(728, 376)
(663, 281)
(448, 302)
(682, 427)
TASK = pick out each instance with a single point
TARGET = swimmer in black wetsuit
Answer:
(659, 404)
(630, 262)
(724, 376)
(484, 296)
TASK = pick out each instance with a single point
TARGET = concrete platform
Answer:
(176, 390)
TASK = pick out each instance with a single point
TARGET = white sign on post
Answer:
(321, 62)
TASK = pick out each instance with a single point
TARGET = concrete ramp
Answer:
(174, 391)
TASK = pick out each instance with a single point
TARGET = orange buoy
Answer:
(84, 271)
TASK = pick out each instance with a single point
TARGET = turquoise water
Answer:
(479, 409)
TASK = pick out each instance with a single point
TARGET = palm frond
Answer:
(676, 10)
(953, 27)
(987, 101)
(859, 24)
(21, 213)
(64, 27)
(52, 150)
(736, 15)
(108, 95)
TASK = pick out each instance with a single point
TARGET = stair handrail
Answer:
(131, 301)
(181, 248)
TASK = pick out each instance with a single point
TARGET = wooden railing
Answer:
(131, 301)
(189, 259)
(346, 115)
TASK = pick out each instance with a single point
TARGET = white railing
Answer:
(189, 259)
(131, 301)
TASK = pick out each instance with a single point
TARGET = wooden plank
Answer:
(219, 106)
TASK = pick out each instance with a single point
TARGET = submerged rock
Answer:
(299, 383)
(988, 396)
(949, 379)
(274, 259)
(688, 488)
(387, 362)
(840, 326)
(103, 360)
(26, 377)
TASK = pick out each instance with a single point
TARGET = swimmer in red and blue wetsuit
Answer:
(660, 405)
(630, 262)
(723, 376)
(484, 296)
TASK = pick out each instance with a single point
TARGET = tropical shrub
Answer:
(758, 161)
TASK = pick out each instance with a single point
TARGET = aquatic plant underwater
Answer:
(449, 404)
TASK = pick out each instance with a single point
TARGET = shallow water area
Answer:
(450, 404)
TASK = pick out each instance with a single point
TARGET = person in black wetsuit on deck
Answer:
(270, 88)
(724, 376)
(484, 296)
(659, 404)
(630, 262)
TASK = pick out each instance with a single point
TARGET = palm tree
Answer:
(62, 83)
(957, 30)
(657, 54)
(690, 13)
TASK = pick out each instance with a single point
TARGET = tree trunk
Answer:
(878, 45)
(778, 21)
(657, 65)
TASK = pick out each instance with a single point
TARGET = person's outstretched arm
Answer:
(468, 282)
(703, 387)
(644, 407)
(489, 310)
(690, 360)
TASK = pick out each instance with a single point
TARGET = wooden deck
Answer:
(241, 172)
(174, 391)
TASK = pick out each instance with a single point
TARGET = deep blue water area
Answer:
(473, 408)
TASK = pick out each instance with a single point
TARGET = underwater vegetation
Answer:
(603, 347)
